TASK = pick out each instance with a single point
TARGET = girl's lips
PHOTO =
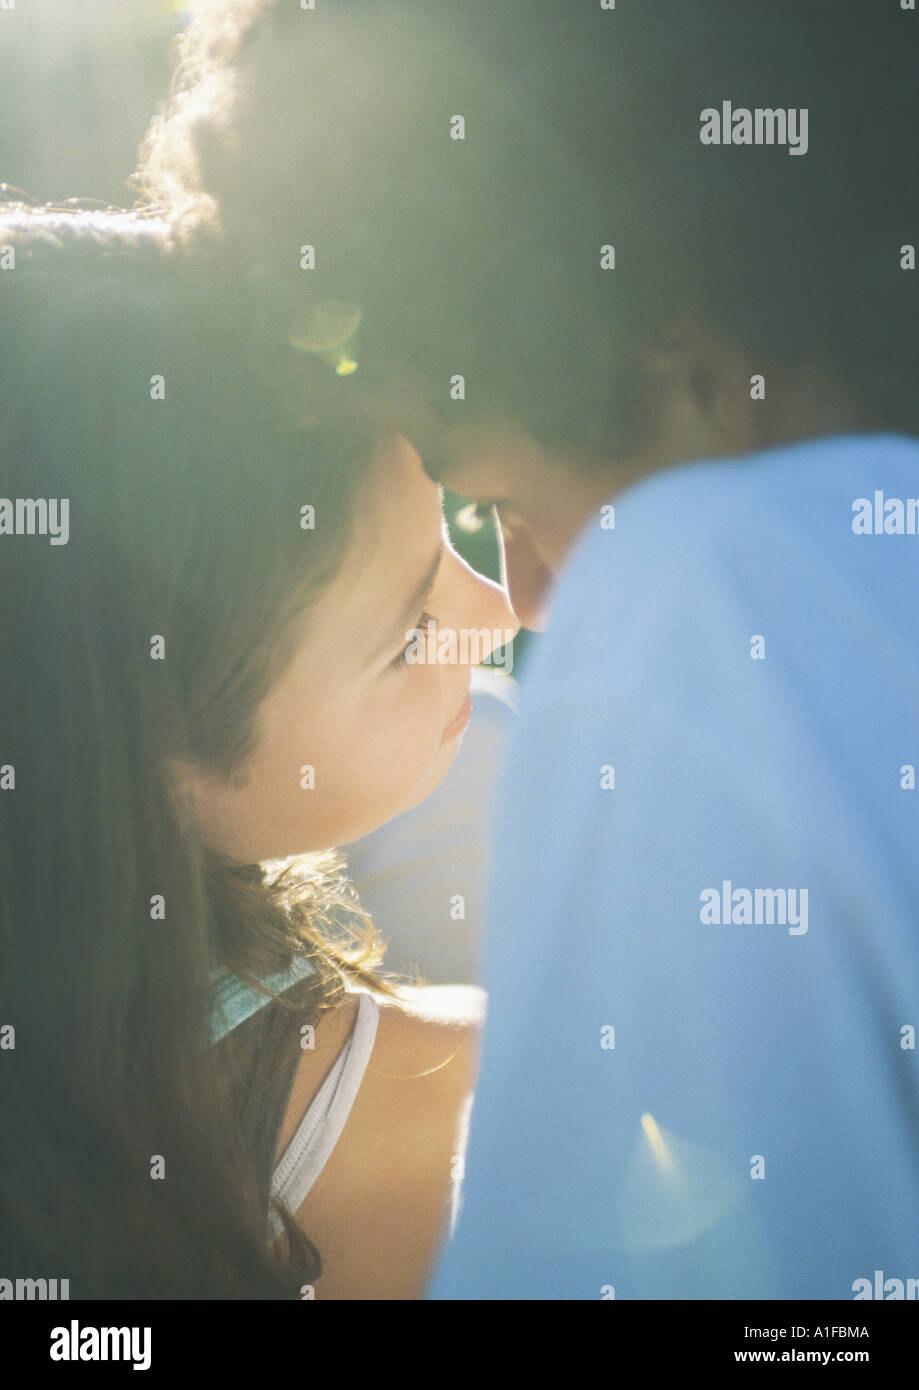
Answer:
(460, 719)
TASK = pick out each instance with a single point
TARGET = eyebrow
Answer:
(413, 604)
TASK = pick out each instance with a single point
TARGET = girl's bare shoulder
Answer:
(380, 1208)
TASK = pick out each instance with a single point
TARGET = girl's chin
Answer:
(440, 766)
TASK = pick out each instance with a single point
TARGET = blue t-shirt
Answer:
(700, 1077)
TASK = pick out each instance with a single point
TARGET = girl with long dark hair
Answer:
(205, 677)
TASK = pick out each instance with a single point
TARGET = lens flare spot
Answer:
(673, 1191)
(656, 1140)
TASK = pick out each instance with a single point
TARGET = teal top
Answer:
(236, 1001)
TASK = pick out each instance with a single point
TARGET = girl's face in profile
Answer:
(353, 734)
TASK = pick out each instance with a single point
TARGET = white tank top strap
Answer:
(318, 1132)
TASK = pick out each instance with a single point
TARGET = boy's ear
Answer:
(700, 392)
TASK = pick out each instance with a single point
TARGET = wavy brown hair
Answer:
(184, 523)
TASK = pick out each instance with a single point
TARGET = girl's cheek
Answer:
(416, 718)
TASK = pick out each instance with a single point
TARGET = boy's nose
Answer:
(528, 579)
(483, 606)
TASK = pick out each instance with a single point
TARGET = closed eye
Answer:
(422, 626)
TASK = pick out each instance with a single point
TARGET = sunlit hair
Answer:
(482, 256)
(184, 520)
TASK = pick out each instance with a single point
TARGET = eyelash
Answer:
(423, 623)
